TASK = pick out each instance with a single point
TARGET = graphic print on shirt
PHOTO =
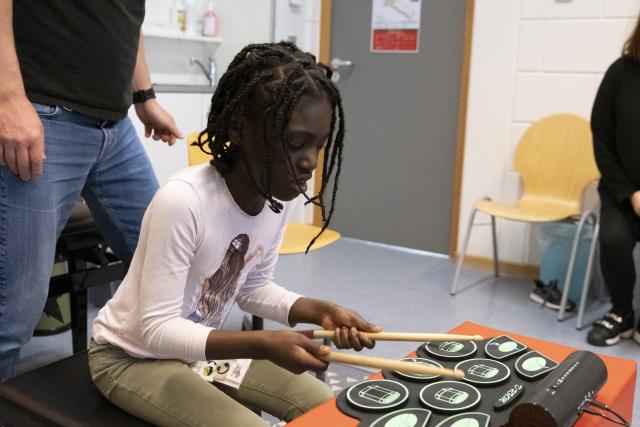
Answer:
(218, 288)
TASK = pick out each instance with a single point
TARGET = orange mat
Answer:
(617, 392)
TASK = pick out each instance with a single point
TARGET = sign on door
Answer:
(395, 26)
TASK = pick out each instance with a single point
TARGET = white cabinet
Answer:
(190, 111)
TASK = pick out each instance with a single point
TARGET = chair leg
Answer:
(253, 323)
(257, 323)
(78, 303)
(494, 234)
(587, 276)
(572, 260)
(465, 244)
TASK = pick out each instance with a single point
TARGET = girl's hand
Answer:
(294, 352)
(347, 325)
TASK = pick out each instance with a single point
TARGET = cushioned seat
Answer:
(59, 394)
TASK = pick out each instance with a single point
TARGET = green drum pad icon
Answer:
(377, 395)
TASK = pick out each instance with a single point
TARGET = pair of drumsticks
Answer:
(394, 365)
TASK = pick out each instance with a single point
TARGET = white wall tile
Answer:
(538, 95)
(590, 198)
(621, 8)
(157, 12)
(512, 240)
(493, 57)
(531, 45)
(480, 241)
(512, 187)
(581, 46)
(556, 66)
(597, 79)
(532, 9)
(517, 130)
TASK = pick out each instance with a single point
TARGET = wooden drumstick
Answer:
(398, 336)
(392, 365)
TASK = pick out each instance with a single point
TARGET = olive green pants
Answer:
(169, 393)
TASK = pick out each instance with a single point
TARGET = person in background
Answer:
(615, 123)
(69, 72)
(210, 238)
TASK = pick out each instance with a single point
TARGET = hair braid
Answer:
(268, 80)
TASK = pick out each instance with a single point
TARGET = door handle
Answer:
(337, 63)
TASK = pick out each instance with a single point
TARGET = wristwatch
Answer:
(143, 95)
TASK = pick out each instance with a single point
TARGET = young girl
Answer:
(211, 237)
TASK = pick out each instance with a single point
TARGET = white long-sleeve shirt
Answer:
(198, 252)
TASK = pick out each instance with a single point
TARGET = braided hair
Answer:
(269, 79)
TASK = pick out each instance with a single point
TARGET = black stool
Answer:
(59, 394)
(89, 264)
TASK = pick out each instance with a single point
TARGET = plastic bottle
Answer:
(181, 15)
(194, 17)
(210, 21)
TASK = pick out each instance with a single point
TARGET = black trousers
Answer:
(619, 232)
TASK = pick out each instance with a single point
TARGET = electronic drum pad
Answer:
(506, 384)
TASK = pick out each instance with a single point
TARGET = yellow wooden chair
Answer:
(195, 155)
(297, 236)
(555, 160)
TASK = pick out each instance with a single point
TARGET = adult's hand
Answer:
(635, 202)
(21, 138)
(157, 122)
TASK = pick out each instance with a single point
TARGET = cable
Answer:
(606, 408)
(621, 421)
(600, 414)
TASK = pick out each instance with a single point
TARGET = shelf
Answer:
(173, 34)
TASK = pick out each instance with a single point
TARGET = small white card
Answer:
(229, 372)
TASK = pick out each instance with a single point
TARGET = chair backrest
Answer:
(555, 160)
(195, 154)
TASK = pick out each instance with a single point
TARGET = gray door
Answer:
(401, 114)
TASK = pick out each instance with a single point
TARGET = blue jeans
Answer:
(102, 161)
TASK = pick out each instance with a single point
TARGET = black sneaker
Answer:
(549, 295)
(609, 329)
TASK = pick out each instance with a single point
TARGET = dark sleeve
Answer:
(603, 126)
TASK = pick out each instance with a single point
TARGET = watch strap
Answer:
(143, 95)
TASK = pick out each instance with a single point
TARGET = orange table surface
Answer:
(617, 392)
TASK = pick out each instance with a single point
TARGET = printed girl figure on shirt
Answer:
(221, 285)
(273, 112)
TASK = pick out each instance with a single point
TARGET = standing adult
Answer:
(68, 74)
(615, 123)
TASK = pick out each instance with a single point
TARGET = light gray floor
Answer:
(402, 290)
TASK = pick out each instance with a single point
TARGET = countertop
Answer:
(183, 88)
